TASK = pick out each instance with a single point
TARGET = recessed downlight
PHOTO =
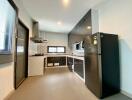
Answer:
(59, 23)
(65, 2)
(89, 27)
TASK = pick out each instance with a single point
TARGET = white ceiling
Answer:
(49, 12)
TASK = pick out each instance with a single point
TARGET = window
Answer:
(7, 25)
(56, 49)
(60, 49)
(52, 49)
(20, 49)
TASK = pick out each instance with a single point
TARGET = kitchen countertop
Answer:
(30, 56)
(76, 57)
(60, 55)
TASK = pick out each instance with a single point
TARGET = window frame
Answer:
(56, 49)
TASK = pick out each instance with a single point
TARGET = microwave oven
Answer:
(78, 46)
(81, 47)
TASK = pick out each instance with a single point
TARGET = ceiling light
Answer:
(89, 27)
(59, 23)
(65, 2)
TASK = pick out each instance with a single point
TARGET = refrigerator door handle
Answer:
(99, 44)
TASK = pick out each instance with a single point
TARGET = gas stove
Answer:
(38, 54)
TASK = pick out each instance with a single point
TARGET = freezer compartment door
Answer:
(92, 44)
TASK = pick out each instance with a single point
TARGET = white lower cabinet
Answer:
(35, 65)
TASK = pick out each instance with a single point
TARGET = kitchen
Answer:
(78, 52)
(85, 55)
(53, 52)
(60, 50)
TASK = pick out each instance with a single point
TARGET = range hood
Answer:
(36, 36)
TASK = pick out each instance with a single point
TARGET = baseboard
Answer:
(9, 94)
(126, 93)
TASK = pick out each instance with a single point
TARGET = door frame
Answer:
(15, 54)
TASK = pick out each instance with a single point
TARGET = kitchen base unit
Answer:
(70, 63)
(36, 65)
(78, 67)
(56, 61)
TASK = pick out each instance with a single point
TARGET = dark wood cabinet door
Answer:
(50, 60)
(78, 67)
(62, 61)
(56, 59)
(70, 63)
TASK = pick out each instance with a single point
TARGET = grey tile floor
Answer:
(57, 84)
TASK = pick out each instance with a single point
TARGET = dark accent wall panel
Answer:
(80, 30)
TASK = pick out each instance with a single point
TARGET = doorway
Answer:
(21, 54)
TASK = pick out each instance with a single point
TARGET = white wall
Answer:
(115, 16)
(95, 21)
(6, 79)
(23, 15)
(7, 70)
(55, 39)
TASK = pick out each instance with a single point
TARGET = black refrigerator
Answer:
(102, 71)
